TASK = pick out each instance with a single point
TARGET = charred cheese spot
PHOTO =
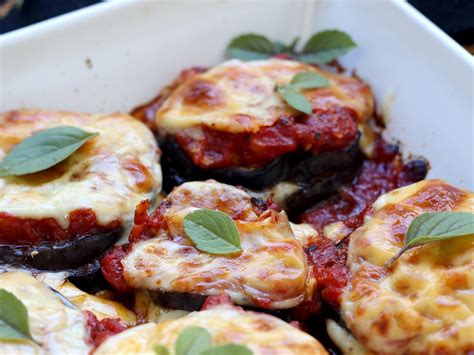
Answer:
(424, 302)
(56, 328)
(110, 174)
(271, 272)
(261, 333)
(240, 96)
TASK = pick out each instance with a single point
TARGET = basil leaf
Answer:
(292, 46)
(325, 46)
(228, 349)
(43, 150)
(250, 46)
(13, 318)
(212, 231)
(192, 341)
(295, 99)
(161, 350)
(430, 227)
(309, 80)
(279, 47)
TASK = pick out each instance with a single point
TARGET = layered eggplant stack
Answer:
(271, 271)
(229, 123)
(69, 214)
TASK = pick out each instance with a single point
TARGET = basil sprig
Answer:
(13, 318)
(430, 227)
(212, 231)
(321, 48)
(198, 341)
(43, 150)
(291, 93)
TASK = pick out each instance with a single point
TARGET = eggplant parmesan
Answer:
(271, 272)
(261, 333)
(423, 302)
(229, 123)
(56, 327)
(69, 214)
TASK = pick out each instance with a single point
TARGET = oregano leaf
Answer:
(43, 150)
(212, 231)
(326, 46)
(13, 318)
(435, 226)
(192, 341)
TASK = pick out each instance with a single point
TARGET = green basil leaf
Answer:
(192, 341)
(250, 46)
(43, 150)
(212, 231)
(295, 99)
(228, 349)
(279, 47)
(309, 80)
(325, 46)
(161, 350)
(292, 46)
(430, 227)
(13, 318)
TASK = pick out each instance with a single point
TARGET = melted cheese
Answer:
(57, 328)
(271, 271)
(110, 174)
(344, 340)
(238, 96)
(100, 306)
(261, 333)
(425, 302)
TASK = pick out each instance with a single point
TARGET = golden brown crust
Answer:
(423, 303)
(240, 96)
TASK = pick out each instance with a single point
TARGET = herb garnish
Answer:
(212, 231)
(43, 150)
(198, 341)
(321, 48)
(291, 93)
(430, 227)
(13, 318)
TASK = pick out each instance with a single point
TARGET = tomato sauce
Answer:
(100, 330)
(384, 172)
(323, 130)
(28, 231)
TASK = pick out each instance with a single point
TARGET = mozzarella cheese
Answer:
(261, 333)
(424, 303)
(109, 174)
(56, 328)
(271, 271)
(100, 306)
(238, 96)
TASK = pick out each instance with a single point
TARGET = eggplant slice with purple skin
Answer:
(75, 255)
(317, 175)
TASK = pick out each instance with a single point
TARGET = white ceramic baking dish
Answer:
(115, 55)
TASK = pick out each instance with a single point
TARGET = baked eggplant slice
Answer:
(422, 303)
(61, 318)
(66, 216)
(226, 324)
(271, 271)
(228, 123)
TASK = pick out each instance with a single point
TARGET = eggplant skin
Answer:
(300, 167)
(176, 300)
(60, 256)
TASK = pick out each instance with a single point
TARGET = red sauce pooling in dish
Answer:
(383, 173)
(28, 231)
(324, 130)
